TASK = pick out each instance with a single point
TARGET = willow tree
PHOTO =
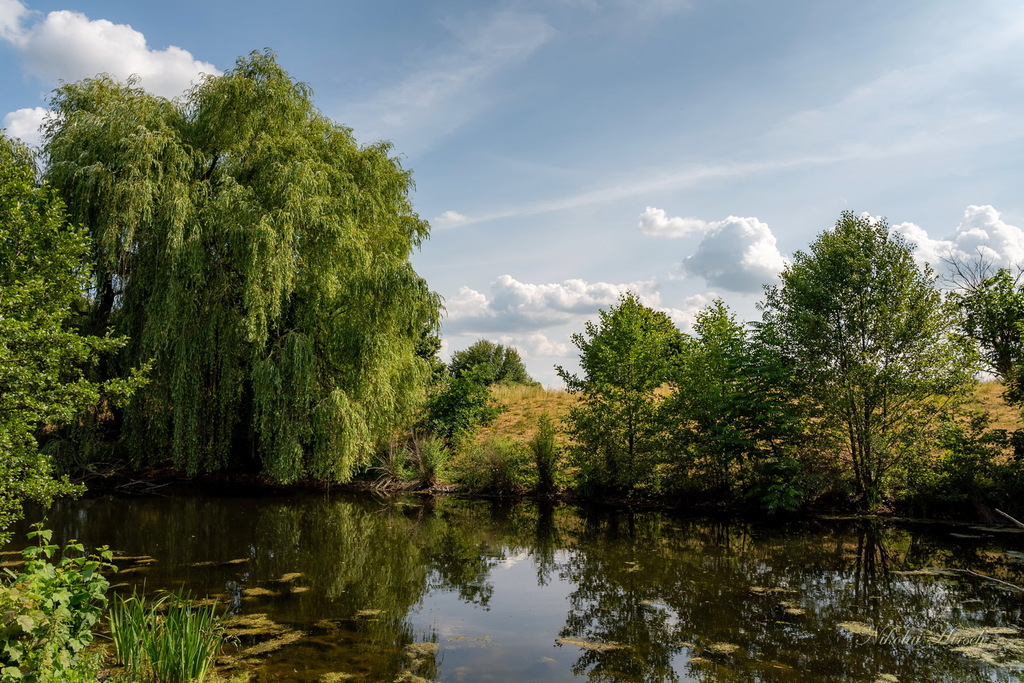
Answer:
(259, 256)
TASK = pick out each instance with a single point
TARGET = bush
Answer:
(498, 465)
(545, 455)
(49, 609)
(458, 407)
(168, 640)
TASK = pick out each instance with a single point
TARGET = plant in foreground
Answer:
(48, 610)
(166, 640)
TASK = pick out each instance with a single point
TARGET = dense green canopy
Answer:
(494, 363)
(873, 344)
(259, 256)
(43, 361)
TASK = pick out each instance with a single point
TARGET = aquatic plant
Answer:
(166, 640)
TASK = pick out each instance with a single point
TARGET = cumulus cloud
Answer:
(981, 232)
(514, 306)
(25, 123)
(656, 223)
(69, 46)
(12, 13)
(738, 254)
(535, 345)
(685, 316)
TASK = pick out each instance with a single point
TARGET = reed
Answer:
(166, 640)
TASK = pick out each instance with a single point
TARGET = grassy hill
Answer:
(525, 405)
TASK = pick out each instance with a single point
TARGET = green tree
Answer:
(494, 363)
(732, 416)
(457, 407)
(991, 306)
(625, 358)
(260, 257)
(43, 359)
(873, 344)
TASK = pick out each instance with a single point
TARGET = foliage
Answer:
(260, 256)
(457, 407)
(167, 640)
(871, 341)
(49, 610)
(44, 361)
(427, 348)
(992, 314)
(498, 466)
(625, 357)
(732, 413)
(493, 363)
(545, 455)
(966, 469)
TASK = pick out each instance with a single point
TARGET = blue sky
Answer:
(566, 151)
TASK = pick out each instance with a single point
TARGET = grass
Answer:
(524, 407)
(988, 396)
(166, 640)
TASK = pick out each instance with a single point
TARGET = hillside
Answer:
(525, 405)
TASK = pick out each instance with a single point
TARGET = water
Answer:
(451, 590)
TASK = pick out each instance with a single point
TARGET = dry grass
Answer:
(988, 397)
(524, 406)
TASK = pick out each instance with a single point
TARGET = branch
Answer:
(1018, 523)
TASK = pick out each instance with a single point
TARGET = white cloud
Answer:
(685, 317)
(655, 222)
(449, 218)
(69, 46)
(737, 254)
(513, 306)
(981, 232)
(535, 344)
(12, 13)
(25, 123)
(449, 90)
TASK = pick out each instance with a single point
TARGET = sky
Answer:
(568, 151)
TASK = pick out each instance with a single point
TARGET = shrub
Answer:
(49, 609)
(545, 454)
(498, 465)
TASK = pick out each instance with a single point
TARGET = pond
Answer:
(343, 587)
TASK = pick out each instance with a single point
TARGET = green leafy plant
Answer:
(545, 454)
(498, 466)
(458, 407)
(625, 358)
(49, 609)
(166, 640)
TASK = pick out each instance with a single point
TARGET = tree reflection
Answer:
(649, 597)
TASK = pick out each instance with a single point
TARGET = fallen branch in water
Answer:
(1018, 523)
(990, 578)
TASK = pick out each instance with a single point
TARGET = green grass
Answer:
(166, 640)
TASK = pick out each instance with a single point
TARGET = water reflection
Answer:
(472, 591)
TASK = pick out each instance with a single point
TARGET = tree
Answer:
(991, 306)
(43, 359)
(494, 363)
(625, 358)
(260, 257)
(457, 407)
(873, 344)
(730, 408)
